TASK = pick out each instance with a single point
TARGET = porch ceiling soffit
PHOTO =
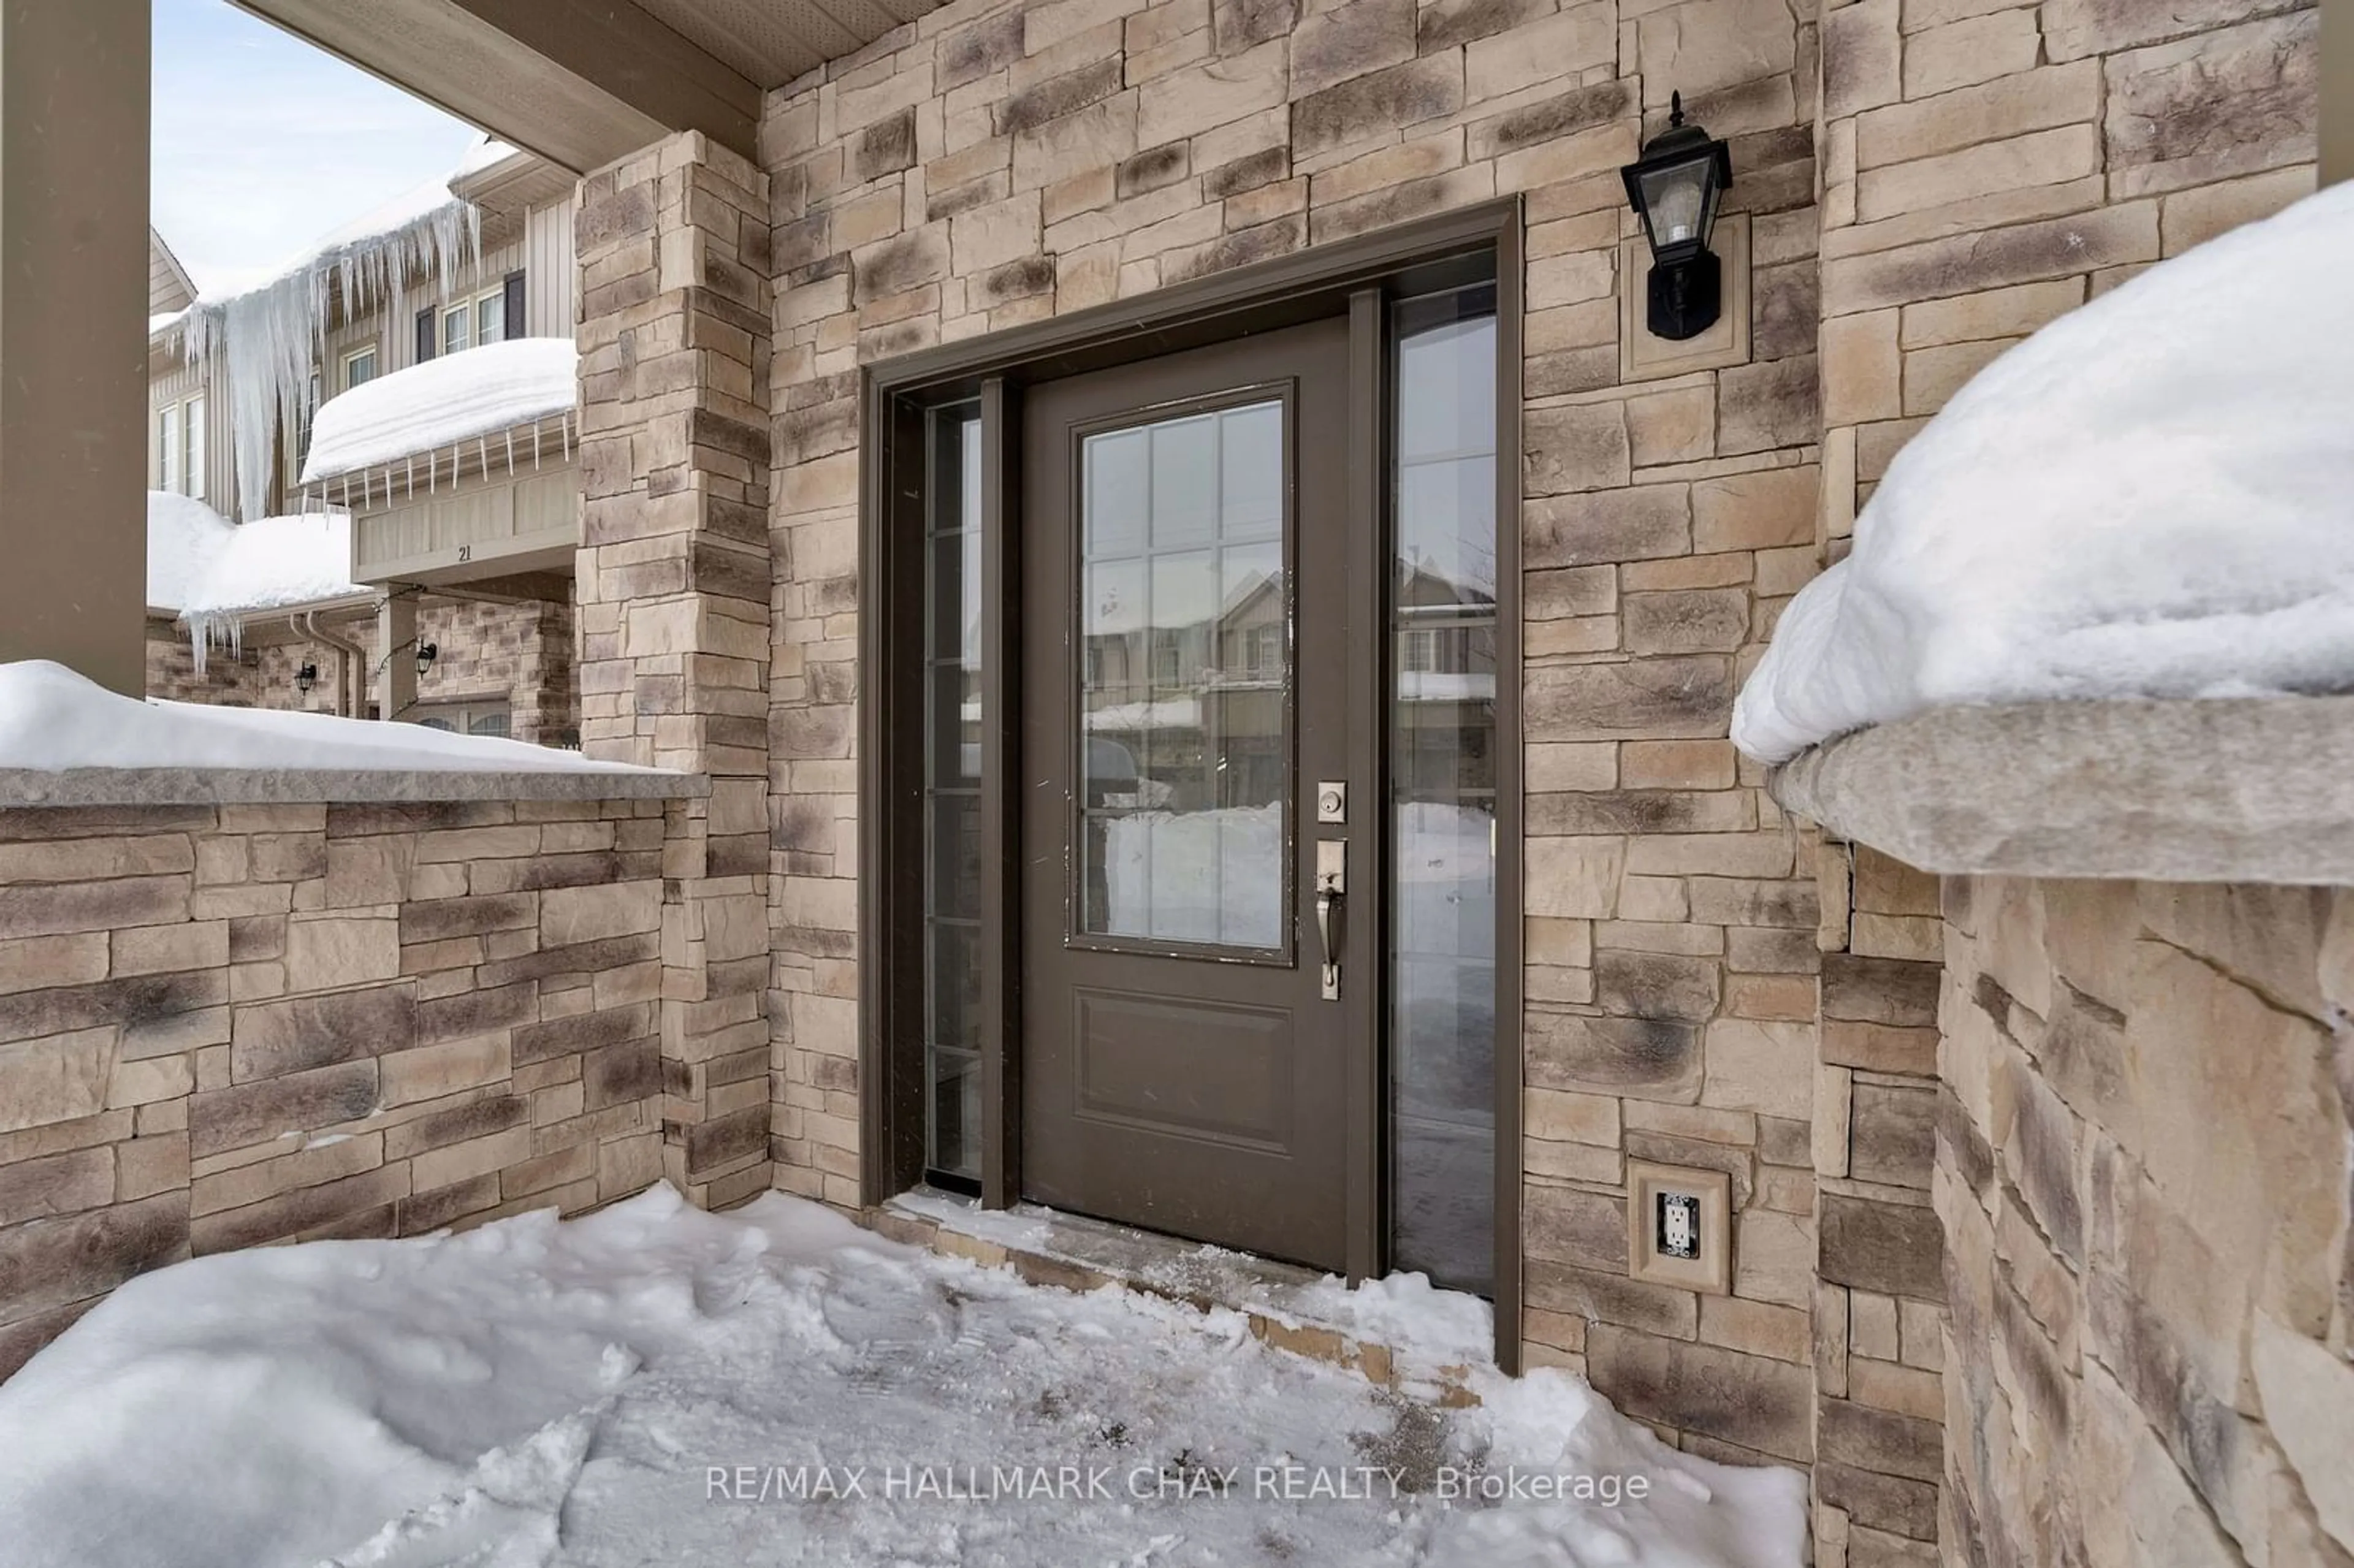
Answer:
(2213, 789)
(580, 82)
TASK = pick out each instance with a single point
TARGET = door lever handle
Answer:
(1332, 884)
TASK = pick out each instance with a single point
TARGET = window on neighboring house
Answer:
(192, 414)
(1266, 655)
(168, 448)
(298, 449)
(470, 323)
(1168, 662)
(359, 367)
(1418, 654)
(494, 718)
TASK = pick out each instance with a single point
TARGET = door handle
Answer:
(1331, 885)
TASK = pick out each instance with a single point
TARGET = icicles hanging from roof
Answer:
(267, 343)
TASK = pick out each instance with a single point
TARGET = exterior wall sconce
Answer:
(306, 677)
(426, 653)
(1675, 189)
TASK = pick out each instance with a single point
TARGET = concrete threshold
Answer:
(1072, 1252)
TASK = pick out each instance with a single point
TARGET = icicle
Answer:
(535, 444)
(483, 451)
(347, 494)
(266, 345)
(432, 473)
(564, 429)
(411, 491)
(510, 451)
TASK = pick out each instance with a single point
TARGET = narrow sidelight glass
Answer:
(1442, 815)
(952, 797)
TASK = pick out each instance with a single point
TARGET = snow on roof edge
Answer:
(454, 398)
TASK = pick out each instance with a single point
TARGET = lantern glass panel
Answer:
(1679, 201)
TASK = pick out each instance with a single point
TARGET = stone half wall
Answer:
(997, 163)
(223, 1026)
(2145, 1167)
(517, 654)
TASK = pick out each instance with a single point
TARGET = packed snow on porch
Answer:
(651, 1383)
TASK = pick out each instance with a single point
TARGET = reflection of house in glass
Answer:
(1445, 690)
(1192, 717)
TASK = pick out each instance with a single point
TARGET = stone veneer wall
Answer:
(223, 1026)
(997, 163)
(520, 655)
(2144, 1164)
(1989, 165)
(674, 579)
(1880, 1316)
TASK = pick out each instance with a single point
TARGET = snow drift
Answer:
(457, 398)
(536, 1391)
(52, 719)
(183, 535)
(2153, 496)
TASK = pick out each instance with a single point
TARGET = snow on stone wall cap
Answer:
(2153, 496)
(456, 397)
(54, 720)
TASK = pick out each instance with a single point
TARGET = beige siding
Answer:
(548, 294)
(167, 290)
(473, 523)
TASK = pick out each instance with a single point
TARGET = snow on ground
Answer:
(52, 719)
(453, 398)
(2152, 496)
(653, 1384)
(182, 536)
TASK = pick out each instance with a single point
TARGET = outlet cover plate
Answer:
(1679, 1227)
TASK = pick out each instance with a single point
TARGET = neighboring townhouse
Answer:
(434, 562)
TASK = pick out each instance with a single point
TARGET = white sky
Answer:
(264, 143)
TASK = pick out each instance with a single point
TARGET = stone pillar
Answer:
(73, 358)
(396, 639)
(674, 583)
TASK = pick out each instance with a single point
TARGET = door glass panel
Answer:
(1185, 682)
(952, 797)
(1443, 781)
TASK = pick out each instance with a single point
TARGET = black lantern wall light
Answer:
(1675, 189)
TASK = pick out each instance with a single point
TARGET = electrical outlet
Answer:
(1680, 1226)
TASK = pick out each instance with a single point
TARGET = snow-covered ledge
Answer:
(339, 786)
(2215, 789)
(65, 741)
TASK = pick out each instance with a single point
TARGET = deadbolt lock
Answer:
(1333, 802)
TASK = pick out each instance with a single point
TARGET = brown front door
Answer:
(1185, 697)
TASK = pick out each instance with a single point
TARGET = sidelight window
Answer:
(953, 670)
(1443, 783)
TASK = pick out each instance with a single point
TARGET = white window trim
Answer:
(352, 356)
(196, 436)
(472, 306)
(168, 470)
